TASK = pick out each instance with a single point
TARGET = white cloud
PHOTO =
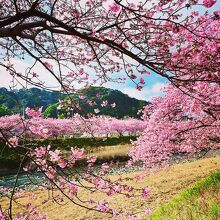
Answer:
(147, 92)
(6, 80)
(50, 82)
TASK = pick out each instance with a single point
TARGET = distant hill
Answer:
(17, 101)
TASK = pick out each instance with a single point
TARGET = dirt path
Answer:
(165, 184)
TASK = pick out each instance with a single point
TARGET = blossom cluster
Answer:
(179, 124)
(77, 125)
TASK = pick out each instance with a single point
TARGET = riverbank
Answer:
(107, 148)
(165, 184)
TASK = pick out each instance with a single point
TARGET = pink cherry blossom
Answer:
(77, 153)
(40, 152)
(104, 103)
(177, 123)
(96, 110)
(146, 193)
(209, 3)
(48, 65)
(55, 155)
(73, 189)
(13, 141)
(92, 159)
(115, 8)
(148, 211)
(4, 190)
(50, 172)
(35, 74)
(2, 215)
(113, 105)
(33, 112)
(62, 164)
(105, 167)
(142, 81)
(103, 206)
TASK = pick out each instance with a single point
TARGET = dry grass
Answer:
(104, 152)
(165, 185)
(111, 151)
(201, 201)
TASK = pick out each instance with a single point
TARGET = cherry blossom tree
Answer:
(179, 124)
(96, 126)
(89, 41)
(85, 42)
(185, 120)
(60, 171)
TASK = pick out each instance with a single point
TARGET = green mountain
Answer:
(18, 100)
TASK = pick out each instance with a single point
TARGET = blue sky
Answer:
(152, 87)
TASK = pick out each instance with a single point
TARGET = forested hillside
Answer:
(12, 102)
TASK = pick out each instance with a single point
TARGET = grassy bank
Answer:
(165, 185)
(8, 158)
(201, 201)
(89, 144)
(112, 148)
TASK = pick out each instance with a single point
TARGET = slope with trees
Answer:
(18, 100)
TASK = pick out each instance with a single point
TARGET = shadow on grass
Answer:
(10, 159)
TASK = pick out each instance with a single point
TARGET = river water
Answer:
(23, 181)
(29, 181)
(26, 180)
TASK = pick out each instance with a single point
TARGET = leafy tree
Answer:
(36, 98)
(93, 97)
(18, 100)
(4, 110)
(51, 111)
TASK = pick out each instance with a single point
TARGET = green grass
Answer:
(8, 158)
(87, 143)
(201, 201)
